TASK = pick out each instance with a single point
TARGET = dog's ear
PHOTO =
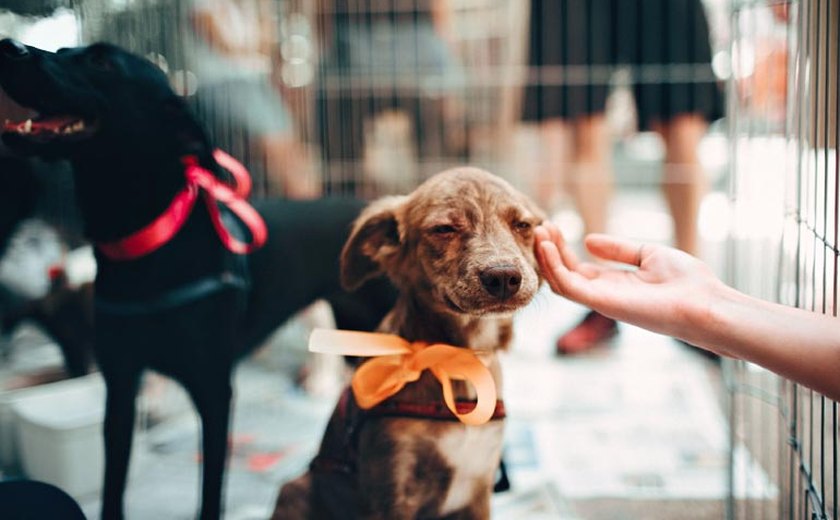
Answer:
(374, 242)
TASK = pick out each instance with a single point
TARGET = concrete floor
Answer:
(632, 430)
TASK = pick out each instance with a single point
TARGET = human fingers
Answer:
(551, 265)
(549, 232)
(540, 235)
(567, 254)
(615, 249)
(561, 280)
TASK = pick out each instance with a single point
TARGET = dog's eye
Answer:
(522, 226)
(443, 229)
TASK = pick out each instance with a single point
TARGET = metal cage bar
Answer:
(805, 455)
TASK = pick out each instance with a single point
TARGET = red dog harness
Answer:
(342, 457)
(163, 228)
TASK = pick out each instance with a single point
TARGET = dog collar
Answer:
(435, 411)
(396, 362)
(161, 230)
(173, 298)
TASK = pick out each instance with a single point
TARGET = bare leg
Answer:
(591, 185)
(553, 162)
(684, 182)
(591, 181)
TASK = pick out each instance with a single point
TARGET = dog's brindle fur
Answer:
(127, 166)
(459, 249)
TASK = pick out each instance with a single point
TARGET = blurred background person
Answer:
(575, 47)
(389, 73)
(233, 43)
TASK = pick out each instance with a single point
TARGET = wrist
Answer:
(708, 313)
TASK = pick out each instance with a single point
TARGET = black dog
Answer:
(34, 189)
(190, 308)
(65, 313)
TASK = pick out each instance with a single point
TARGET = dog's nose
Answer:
(13, 49)
(501, 281)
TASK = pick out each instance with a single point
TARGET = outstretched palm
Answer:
(650, 286)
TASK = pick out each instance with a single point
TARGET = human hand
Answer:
(656, 287)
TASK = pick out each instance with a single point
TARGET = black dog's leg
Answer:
(212, 398)
(119, 428)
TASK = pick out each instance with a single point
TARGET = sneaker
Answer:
(594, 330)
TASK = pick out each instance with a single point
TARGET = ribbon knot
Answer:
(198, 181)
(396, 362)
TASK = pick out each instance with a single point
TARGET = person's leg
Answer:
(591, 182)
(684, 181)
(587, 174)
(553, 162)
(591, 185)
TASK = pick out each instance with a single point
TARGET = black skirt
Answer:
(664, 43)
(570, 58)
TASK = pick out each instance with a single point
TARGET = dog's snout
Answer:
(501, 281)
(13, 49)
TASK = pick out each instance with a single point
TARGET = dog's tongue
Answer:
(46, 124)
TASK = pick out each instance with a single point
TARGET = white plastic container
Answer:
(59, 434)
(9, 445)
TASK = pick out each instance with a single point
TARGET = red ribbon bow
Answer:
(163, 228)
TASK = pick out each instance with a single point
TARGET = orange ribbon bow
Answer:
(397, 362)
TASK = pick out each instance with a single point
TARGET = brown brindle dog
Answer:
(459, 248)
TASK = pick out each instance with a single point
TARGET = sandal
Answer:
(594, 330)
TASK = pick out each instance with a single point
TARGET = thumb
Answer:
(607, 247)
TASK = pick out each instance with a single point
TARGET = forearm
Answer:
(801, 345)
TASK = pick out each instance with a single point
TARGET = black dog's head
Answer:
(98, 99)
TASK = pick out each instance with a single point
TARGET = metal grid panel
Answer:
(783, 121)
(381, 93)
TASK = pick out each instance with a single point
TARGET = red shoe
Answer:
(594, 330)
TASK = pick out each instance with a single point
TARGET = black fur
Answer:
(127, 168)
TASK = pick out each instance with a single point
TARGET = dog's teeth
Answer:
(27, 126)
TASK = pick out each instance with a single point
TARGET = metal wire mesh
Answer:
(372, 96)
(378, 94)
(783, 121)
(373, 93)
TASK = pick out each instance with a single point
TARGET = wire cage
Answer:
(352, 97)
(784, 139)
(370, 97)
